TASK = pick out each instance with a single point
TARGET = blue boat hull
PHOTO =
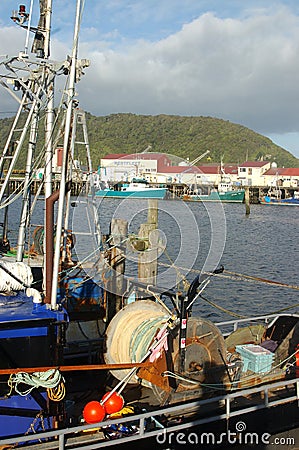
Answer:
(266, 200)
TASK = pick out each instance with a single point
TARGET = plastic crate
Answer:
(255, 358)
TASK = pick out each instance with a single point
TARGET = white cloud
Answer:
(241, 70)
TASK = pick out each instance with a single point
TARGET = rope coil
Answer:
(51, 380)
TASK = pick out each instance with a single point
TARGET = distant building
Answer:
(123, 167)
(250, 173)
(180, 174)
(159, 168)
(215, 173)
(282, 176)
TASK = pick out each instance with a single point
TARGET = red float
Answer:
(93, 412)
(114, 403)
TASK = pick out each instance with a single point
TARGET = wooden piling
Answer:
(148, 259)
(115, 285)
(152, 213)
(247, 205)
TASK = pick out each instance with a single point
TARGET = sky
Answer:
(235, 60)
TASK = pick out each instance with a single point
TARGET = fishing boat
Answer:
(158, 370)
(137, 188)
(224, 193)
(47, 299)
(274, 198)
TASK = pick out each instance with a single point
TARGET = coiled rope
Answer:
(51, 380)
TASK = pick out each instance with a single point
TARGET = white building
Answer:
(158, 168)
(251, 173)
(123, 167)
(282, 176)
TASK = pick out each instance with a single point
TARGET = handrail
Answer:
(62, 434)
(266, 319)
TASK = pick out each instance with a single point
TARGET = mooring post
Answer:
(148, 259)
(152, 213)
(247, 205)
(115, 285)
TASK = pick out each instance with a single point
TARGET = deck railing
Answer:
(199, 414)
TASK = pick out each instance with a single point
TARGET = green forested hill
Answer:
(187, 137)
(182, 136)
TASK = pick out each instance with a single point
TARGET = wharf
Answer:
(15, 184)
(255, 192)
(175, 189)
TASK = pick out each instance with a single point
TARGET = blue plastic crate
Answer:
(255, 358)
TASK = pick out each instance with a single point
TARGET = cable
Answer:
(233, 314)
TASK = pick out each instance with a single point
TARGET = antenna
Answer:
(20, 17)
(41, 42)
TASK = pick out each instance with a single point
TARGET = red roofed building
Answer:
(282, 176)
(215, 173)
(160, 168)
(250, 173)
(205, 174)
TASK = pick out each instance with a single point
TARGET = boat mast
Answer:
(66, 145)
(42, 48)
(50, 105)
(26, 189)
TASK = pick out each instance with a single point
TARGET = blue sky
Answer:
(231, 59)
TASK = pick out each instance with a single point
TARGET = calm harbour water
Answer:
(200, 237)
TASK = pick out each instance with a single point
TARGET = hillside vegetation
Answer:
(186, 137)
(182, 136)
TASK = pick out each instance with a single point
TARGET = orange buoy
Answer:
(114, 403)
(93, 412)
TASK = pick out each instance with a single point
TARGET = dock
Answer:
(176, 190)
(16, 183)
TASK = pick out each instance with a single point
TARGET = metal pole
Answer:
(47, 32)
(28, 29)
(8, 143)
(183, 333)
(61, 203)
(91, 180)
(26, 193)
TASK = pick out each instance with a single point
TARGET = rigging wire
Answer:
(232, 276)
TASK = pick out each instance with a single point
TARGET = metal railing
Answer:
(60, 439)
